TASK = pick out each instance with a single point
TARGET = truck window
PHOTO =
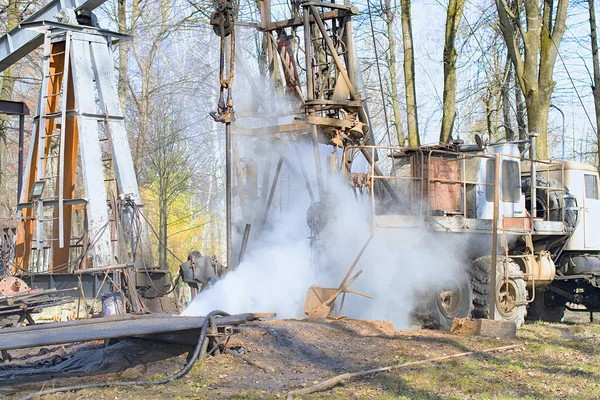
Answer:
(511, 181)
(490, 167)
(591, 187)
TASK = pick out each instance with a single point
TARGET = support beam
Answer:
(17, 108)
(19, 42)
(299, 21)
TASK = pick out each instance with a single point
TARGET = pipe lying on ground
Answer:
(199, 350)
(16, 338)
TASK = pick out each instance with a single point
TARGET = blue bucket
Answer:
(112, 304)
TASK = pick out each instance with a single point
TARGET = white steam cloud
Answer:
(280, 263)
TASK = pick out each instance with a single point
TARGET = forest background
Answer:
(433, 71)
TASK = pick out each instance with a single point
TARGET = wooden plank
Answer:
(295, 22)
(328, 5)
(483, 327)
(60, 256)
(273, 130)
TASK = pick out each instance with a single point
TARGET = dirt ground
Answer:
(556, 361)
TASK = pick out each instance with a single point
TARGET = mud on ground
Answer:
(557, 361)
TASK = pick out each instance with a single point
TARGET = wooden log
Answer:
(329, 383)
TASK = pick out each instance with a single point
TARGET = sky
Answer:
(572, 94)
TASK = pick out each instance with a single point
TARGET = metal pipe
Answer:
(266, 178)
(308, 54)
(350, 51)
(273, 187)
(228, 190)
(244, 244)
(532, 171)
(103, 269)
(111, 330)
(378, 172)
(494, 240)
(305, 176)
(21, 151)
(315, 143)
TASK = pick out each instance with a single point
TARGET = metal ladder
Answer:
(51, 141)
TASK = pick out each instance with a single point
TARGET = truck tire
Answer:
(549, 204)
(454, 299)
(546, 306)
(511, 299)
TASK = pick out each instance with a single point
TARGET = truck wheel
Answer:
(511, 296)
(546, 306)
(453, 299)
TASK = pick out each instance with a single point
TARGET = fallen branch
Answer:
(586, 337)
(257, 364)
(329, 383)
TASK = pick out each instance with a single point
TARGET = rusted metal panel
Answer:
(11, 285)
(443, 192)
(516, 223)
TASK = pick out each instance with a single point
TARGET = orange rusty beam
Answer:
(61, 257)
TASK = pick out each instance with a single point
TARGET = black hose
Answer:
(181, 373)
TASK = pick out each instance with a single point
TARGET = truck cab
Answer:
(582, 181)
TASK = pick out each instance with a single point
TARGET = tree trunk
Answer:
(163, 213)
(8, 84)
(488, 103)
(533, 49)
(389, 21)
(521, 112)
(123, 55)
(140, 142)
(453, 16)
(596, 83)
(504, 94)
(537, 121)
(409, 75)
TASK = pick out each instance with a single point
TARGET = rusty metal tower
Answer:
(309, 60)
(80, 205)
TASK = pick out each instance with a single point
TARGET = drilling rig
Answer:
(530, 221)
(314, 97)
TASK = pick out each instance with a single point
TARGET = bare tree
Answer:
(170, 163)
(541, 31)
(521, 112)
(505, 96)
(453, 16)
(123, 53)
(596, 73)
(8, 84)
(155, 22)
(389, 15)
(409, 75)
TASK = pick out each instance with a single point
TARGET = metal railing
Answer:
(423, 180)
